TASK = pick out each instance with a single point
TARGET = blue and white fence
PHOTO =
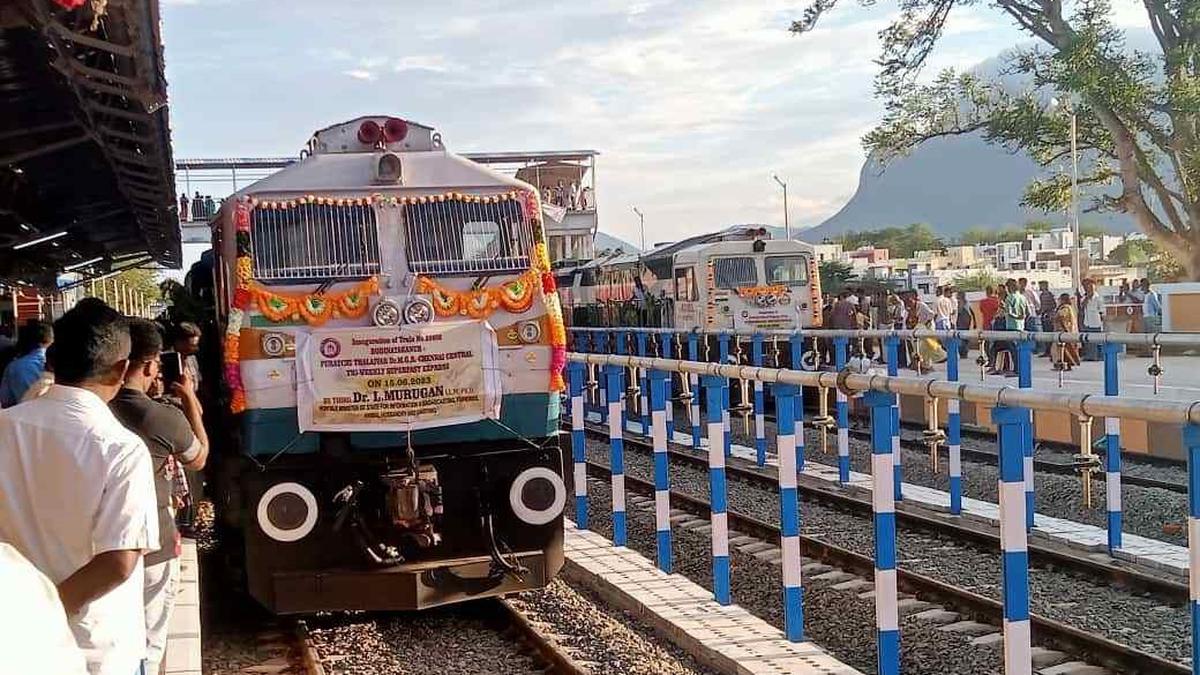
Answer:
(1010, 410)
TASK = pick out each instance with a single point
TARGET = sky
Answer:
(692, 104)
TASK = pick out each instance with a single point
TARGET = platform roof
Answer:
(85, 145)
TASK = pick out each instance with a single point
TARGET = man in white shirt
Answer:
(34, 637)
(1091, 315)
(77, 492)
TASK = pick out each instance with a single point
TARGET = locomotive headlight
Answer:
(418, 311)
(386, 313)
(530, 331)
(287, 512)
(537, 496)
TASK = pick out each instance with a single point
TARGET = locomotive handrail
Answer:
(1150, 410)
(1134, 339)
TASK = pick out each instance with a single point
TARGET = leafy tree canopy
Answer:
(835, 275)
(901, 242)
(1137, 113)
(977, 281)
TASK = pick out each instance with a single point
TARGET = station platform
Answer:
(1139, 550)
(1180, 380)
(725, 637)
(183, 640)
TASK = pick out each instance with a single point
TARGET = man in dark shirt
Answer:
(176, 439)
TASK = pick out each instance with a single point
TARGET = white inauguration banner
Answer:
(397, 378)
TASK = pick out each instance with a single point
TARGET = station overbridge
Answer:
(630, 396)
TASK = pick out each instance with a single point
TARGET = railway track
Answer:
(1117, 573)
(344, 643)
(1048, 631)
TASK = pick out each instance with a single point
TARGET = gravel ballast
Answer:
(600, 638)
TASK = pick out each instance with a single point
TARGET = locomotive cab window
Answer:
(455, 237)
(314, 242)
(791, 270)
(685, 284)
(733, 273)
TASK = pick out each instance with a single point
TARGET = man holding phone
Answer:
(176, 439)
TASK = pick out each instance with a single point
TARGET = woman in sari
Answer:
(1066, 321)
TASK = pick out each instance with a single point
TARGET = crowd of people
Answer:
(1015, 305)
(199, 207)
(572, 197)
(93, 450)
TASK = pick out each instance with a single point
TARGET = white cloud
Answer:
(360, 74)
(436, 63)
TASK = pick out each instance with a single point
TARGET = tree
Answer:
(1133, 252)
(977, 281)
(834, 275)
(1138, 113)
(901, 242)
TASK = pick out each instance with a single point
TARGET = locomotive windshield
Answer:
(791, 270)
(454, 237)
(314, 242)
(733, 273)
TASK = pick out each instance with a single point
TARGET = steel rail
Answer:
(1120, 573)
(1134, 339)
(548, 651)
(1150, 410)
(309, 659)
(1049, 631)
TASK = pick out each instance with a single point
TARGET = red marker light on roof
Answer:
(369, 132)
(394, 130)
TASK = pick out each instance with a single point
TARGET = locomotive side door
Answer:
(687, 299)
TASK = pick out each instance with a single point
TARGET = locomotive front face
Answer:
(393, 351)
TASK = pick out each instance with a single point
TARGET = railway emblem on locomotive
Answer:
(330, 348)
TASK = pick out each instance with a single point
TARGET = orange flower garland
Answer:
(514, 296)
(315, 309)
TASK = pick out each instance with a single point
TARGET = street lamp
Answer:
(642, 224)
(787, 228)
(1076, 270)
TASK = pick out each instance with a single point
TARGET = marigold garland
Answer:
(314, 309)
(514, 296)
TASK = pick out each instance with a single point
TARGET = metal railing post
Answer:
(669, 391)
(1025, 381)
(760, 430)
(616, 444)
(1191, 442)
(789, 511)
(575, 377)
(619, 349)
(843, 413)
(1112, 449)
(723, 354)
(892, 347)
(662, 485)
(887, 611)
(601, 343)
(643, 386)
(714, 389)
(797, 346)
(694, 379)
(954, 429)
(1013, 538)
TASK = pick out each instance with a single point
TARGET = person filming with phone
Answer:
(176, 440)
